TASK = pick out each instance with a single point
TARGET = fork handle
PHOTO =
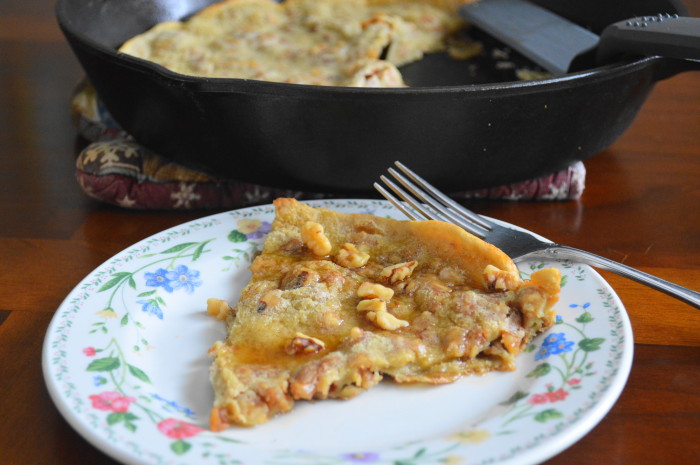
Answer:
(563, 252)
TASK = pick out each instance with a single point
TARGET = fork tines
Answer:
(422, 201)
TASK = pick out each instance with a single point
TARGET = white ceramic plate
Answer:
(125, 360)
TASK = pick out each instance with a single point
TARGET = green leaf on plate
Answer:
(180, 447)
(118, 278)
(549, 414)
(139, 373)
(104, 364)
(591, 344)
(130, 426)
(540, 370)
(199, 250)
(114, 418)
(178, 247)
(237, 236)
(515, 398)
(585, 317)
(122, 417)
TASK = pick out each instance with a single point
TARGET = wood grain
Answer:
(641, 206)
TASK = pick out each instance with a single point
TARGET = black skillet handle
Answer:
(665, 35)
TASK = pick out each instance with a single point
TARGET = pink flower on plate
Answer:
(176, 429)
(555, 396)
(537, 399)
(111, 401)
(574, 382)
(89, 351)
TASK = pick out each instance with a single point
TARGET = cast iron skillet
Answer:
(457, 127)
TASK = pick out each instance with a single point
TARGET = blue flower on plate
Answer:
(584, 306)
(151, 307)
(171, 405)
(184, 278)
(159, 279)
(554, 344)
(361, 457)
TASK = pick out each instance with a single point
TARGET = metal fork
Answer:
(427, 202)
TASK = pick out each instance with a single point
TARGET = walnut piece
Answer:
(350, 256)
(369, 290)
(301, 344)
(386, 320)
(314, 238)
(398, 272)
(371, 305)
(218, 308)
(499, 280)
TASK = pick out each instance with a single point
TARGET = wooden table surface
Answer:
(641, 206)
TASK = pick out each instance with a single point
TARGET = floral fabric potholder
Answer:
(115, 169)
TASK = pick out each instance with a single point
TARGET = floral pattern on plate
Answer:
(125, 362)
